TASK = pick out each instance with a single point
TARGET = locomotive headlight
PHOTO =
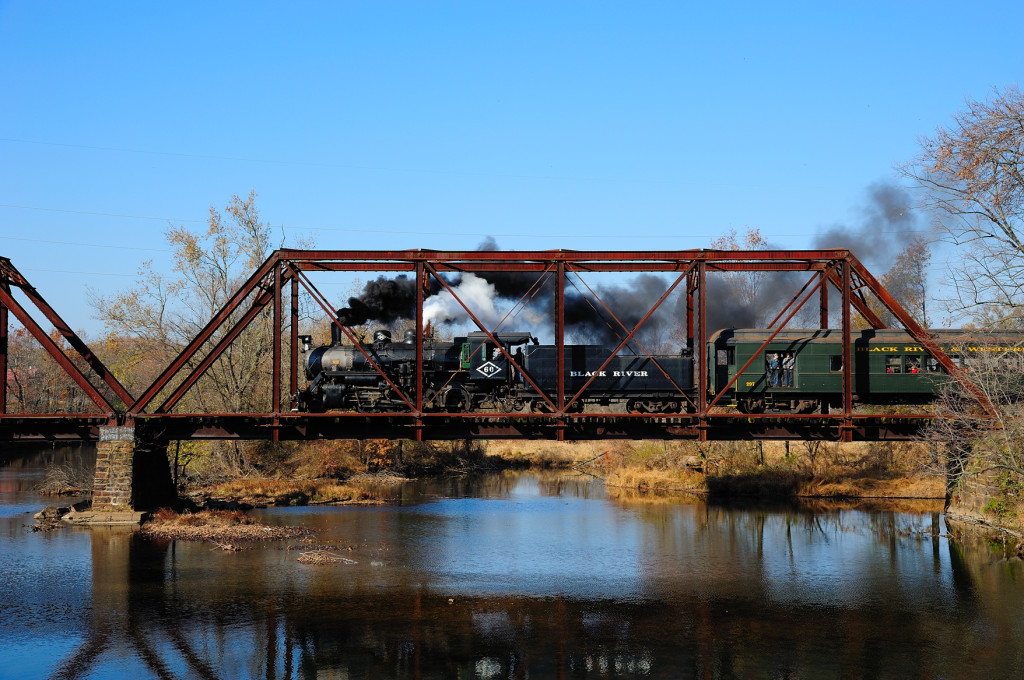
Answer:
(306, 341)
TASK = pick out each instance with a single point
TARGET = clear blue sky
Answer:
(381, 125)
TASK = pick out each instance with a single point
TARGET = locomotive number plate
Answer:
(489, 369)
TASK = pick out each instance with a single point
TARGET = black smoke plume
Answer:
(588, 320)
(887, 226)
(511, 285)
(382, 300)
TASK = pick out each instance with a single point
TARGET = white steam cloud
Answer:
(476, 293)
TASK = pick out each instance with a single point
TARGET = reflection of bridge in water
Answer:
(835, 280)
(791, 592)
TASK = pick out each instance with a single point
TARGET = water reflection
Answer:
(516, 576)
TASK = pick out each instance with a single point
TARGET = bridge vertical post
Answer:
(421, 283)
(293, 358)
(701, 350)
(691, 285)
(3, 350)
(132, 472)
(823, 301)
(276, 349)
(560, 346)
(846, 431)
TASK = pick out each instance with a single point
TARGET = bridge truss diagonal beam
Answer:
(10, 278)
(188, 353)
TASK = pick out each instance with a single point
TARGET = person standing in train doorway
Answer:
(773, 370)
(788, 364)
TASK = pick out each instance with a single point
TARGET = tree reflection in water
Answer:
(716, 592)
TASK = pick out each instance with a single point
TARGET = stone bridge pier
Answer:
(132, 473)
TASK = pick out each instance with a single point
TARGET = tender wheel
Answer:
(808, 406)
(750, 405)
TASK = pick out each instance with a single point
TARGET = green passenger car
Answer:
(889, 366)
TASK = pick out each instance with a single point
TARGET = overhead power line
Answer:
(632, 236)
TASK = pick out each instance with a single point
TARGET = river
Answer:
(516, 575)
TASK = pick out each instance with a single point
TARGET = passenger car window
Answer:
(893, 363)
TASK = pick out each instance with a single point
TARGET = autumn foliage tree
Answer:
(162, 314)
(969, 174)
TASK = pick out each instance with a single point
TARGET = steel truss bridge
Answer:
(285, 277)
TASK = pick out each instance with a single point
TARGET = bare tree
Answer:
(970, 176)
(36, 382)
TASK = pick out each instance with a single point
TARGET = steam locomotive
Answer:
(799, 370)
(473, 373)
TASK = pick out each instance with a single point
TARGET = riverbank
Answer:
(372, 472)
(258, 491)
(756, 469)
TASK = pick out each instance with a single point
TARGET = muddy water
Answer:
(513, 576)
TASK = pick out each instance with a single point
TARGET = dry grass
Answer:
(225, 528)
(774, 469)
(656, 481)
(262, 491)
(919, 486)
(324, 556)
(547, 454)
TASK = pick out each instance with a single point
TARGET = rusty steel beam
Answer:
(10, 275)
(764, 344)
(569, 256)
(692, 267)
(595, 267)
(858, 301)
(823, 300)
(3, 350)
(701, 348)
(259, 303)
(629, 336)
(560, 345)
(189, 351)
(421, 284)
(275, 397)
(275, 359)
(296, 426)
(293, 358)
(489, 333)
(54, 351)
(922, 336)
(771, 324)
(846, 434)
(319, 298)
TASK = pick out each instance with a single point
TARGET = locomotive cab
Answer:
(487, 361)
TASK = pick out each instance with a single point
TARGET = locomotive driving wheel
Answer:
(454, 400)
